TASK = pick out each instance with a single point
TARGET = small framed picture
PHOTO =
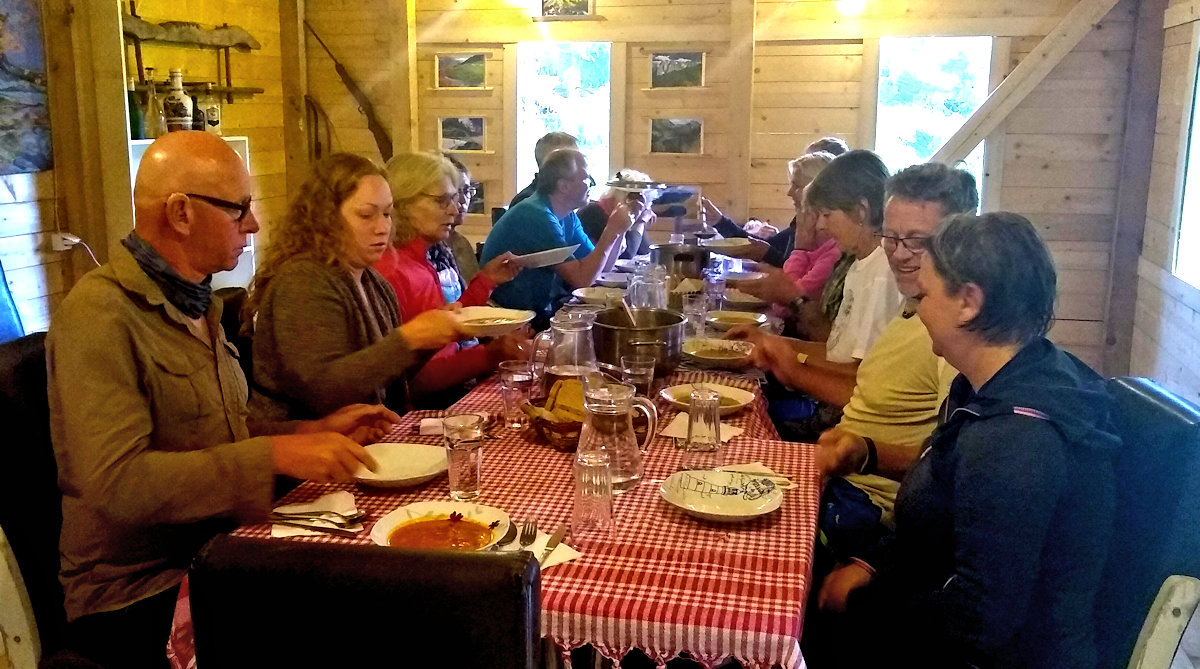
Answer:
(567, 9)
(476, 204)
(460, 70)
(676, 135)
(460, 133)
(677, 70)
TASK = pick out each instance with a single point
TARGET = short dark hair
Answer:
(551, 142)
(950, 187)
(835, 145)
(560, 164)
(1001, 253)
(851, 178)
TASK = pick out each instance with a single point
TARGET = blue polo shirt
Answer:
(529, 227)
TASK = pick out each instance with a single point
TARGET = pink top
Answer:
(418, 290)
(810, 268)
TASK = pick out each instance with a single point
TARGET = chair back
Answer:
(10, 318)
(1174, 612)
(30, 501)
(1157, 526)
(258, 603)
(497, 212)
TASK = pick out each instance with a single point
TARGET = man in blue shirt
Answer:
(546, 221)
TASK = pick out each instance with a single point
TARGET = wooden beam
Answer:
(929, 26)
(618, 85)
(1180, 14)
(996, 145)
(1072, 28)
(294, 69)
(741, 107)
(509, 156)
(1141, 110)
(404, 76)
(868, 95)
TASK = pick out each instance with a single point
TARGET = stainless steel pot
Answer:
(657, 333)
(681, 260)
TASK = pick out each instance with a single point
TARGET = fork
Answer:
(333, 517)
(528, 533)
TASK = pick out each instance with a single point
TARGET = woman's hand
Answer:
(512, 346)
(432, 329)
(501, 269)
(775, 287)
(838, 585)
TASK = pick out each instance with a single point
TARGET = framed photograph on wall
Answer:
(461, 133)
(24, 107)
(677, 69)
(676, 135)
(567, 9)
(460, 70)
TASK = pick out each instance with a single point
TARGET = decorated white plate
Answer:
(490, 516)
(492, 321)
(546, 258)
(725, 320)
(598, 294)
(733, 399)
(726, 497)
(724, 353)
(402, 465)
(742, 300)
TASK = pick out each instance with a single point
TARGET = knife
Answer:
(555, 540)
(327, 530)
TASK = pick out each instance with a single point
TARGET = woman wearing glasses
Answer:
(426, 196)
(327, 330)
(462, 256)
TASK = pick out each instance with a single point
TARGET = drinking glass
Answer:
(702, 450)
(695, 309)
(516, 383)
(638, 371)
(464, 450)
(714, 288)
(648, 292)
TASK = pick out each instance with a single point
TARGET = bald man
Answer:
(148, 408)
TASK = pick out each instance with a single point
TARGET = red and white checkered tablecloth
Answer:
(663, 582)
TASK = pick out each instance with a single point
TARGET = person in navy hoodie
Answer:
(1003, 524)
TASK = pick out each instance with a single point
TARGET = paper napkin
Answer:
(689, 286)
(341, 502)
(679, 428)
(562, 553)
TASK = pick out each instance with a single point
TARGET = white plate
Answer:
(613, 279)
(681, 396)
(717, 319)
(546, 258)
(598, 294)
(742, 300)
(628, 265)
(744, 276)
(721, 496)
(441, 509)
(743, 348)
(730, 244)
(402, 465)
(501, 321)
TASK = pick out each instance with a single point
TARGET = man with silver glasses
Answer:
(148, 408)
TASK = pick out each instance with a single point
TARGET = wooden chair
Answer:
(258, 603)
(1173, 612)
(1157, 525)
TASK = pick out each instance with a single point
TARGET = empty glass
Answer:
(516, 383)
(714, 287)
(695, 310)
(464, 451)
(638, 371)
(702, 450)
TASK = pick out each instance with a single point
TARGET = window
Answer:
(563, 86)
(1187, 245)
(929, 86)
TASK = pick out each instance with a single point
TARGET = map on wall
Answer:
(24, 114)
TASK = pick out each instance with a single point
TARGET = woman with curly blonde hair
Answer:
(327, 330)
(426, 197)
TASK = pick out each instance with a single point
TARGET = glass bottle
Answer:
(197, 115)
(155, 124)
(137, 119)
(177, 105)
(211, 105)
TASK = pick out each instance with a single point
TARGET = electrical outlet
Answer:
(62, 241)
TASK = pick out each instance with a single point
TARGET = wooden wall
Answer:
(1165, 344)
(37, 277)
(260, 118)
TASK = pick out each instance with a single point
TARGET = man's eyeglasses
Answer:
(468, 192)
(591, 181)
(242, 208)
(915, 244)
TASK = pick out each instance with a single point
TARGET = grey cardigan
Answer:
(315, 348)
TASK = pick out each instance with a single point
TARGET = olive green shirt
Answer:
(148, 421)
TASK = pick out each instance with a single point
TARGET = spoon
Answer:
(507, 538)
(628, 312)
